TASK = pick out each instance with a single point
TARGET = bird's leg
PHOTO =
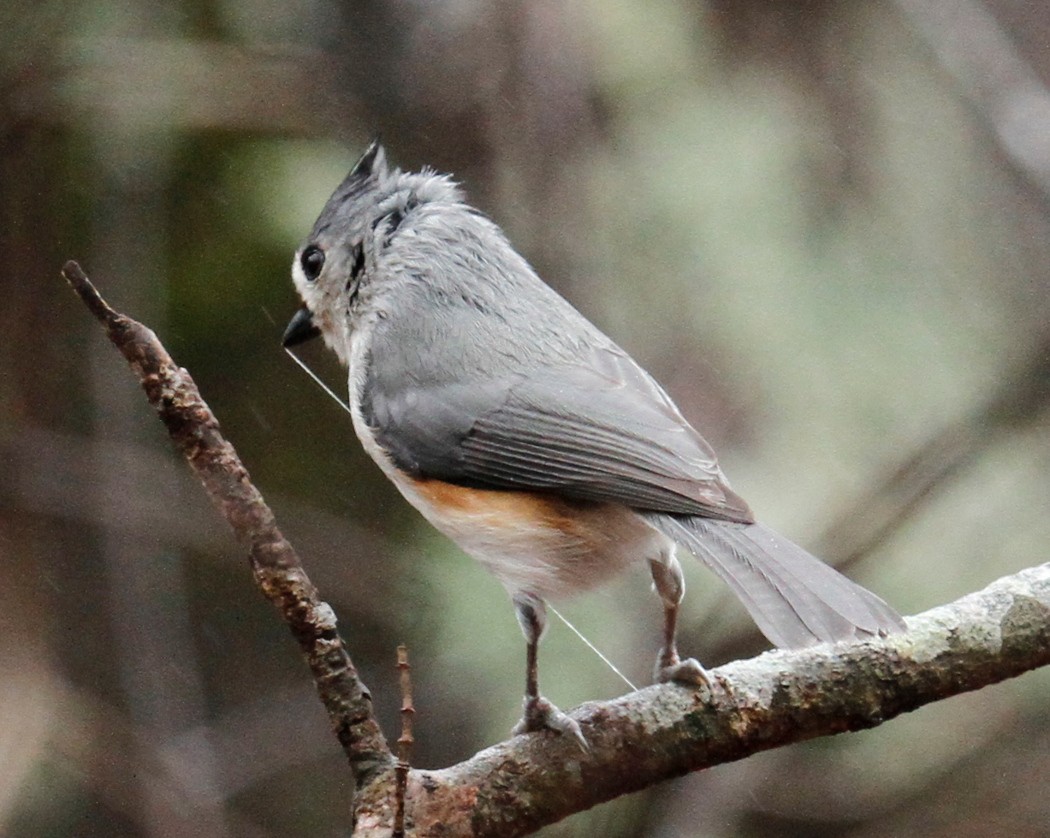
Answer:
(670, 585)
(539, 713)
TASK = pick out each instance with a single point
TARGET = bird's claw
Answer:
(688, 672)
(540, 714)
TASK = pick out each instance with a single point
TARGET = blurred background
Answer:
(823, 225)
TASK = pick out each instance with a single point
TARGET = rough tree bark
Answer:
(640, 739)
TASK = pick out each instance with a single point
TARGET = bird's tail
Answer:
(795, 598)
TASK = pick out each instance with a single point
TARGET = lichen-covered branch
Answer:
(636, 741)
(777, 698)
(277, 569)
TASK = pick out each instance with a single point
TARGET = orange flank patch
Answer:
(537, 542)
(510, 507)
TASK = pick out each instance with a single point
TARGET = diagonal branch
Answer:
(275, 565)
(636, 741)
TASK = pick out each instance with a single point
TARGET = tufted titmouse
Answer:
(526, 435)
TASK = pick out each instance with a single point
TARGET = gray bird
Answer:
(526, 435)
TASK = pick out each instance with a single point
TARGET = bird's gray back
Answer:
(503, 384)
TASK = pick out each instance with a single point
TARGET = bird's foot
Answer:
(540, 714)
(688, 672)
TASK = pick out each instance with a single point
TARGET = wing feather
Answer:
(595, 428)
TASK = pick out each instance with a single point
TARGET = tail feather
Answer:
(793, 597)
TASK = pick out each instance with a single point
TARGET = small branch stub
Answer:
(405, 741)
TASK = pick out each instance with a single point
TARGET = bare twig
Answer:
(405, 741)
(277, 569)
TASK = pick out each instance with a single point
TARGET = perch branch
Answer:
(778, 698)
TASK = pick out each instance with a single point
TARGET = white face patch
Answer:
(327, 302)
(298, 277)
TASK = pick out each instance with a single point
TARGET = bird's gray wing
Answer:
(596, 427)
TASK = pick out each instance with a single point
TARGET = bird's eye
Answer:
(312, 261)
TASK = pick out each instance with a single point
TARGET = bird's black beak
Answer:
(300, 329)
